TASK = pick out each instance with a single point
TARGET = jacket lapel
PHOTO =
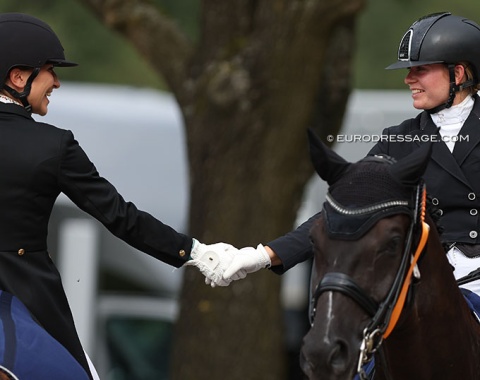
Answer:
(471, 133)
(440, 152)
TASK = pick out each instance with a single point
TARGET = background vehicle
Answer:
(123, 301)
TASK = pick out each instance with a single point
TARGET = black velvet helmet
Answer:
(28, 41)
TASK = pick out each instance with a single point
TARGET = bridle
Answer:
(385, 314)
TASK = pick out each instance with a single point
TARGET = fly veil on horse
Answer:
(382, 286)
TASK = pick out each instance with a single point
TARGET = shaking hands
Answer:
(223, 263)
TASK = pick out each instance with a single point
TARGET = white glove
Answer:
(212, 260)
(237, 276)
(247, 260)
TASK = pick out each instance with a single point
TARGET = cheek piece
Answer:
(454, 88)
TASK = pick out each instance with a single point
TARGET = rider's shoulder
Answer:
(407, 126)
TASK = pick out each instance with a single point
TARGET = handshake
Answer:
(223, 263)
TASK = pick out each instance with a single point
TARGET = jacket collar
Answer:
(10, 108)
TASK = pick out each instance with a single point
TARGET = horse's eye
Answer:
(391, 246)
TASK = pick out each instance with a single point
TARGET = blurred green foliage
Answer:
(103, 55)
(106, 57)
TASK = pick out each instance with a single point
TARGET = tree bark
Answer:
(260, 74)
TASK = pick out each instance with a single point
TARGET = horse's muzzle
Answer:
(332, 361)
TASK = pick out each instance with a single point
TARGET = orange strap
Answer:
(397, 310)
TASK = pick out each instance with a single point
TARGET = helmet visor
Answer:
(62, 63)
(407, 64)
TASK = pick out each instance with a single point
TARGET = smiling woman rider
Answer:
(442, 55)
(38, 162)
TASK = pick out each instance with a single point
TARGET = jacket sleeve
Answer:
(294, 247)
(390, 142)
(79, 180)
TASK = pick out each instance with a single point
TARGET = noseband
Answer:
(386, 313)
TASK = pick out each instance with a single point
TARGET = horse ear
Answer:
(410, 169)
(328, 164)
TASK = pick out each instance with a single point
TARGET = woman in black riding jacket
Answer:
(38, 162)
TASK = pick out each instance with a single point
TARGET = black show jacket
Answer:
(37, 162)
(452, 180)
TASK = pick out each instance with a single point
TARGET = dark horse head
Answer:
(367, 243)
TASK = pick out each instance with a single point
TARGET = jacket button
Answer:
(471, 196)
(473, 234)
(182, 253)
(473, 211)
(21, 252)
(435, 201)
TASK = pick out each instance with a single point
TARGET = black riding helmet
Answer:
(26, 41)
(442, 38)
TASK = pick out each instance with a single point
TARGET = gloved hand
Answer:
(247, 260)
(237, 276)
(212, 260)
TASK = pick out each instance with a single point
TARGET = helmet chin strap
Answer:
(454, 88)
(22, 96)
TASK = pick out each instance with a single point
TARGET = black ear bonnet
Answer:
(362, 193)
(366, 193)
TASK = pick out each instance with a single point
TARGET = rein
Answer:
(386, 314)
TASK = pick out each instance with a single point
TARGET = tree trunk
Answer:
(259, 75)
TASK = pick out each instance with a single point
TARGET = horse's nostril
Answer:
(305, 365)
(329, 361)
(338, 357)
